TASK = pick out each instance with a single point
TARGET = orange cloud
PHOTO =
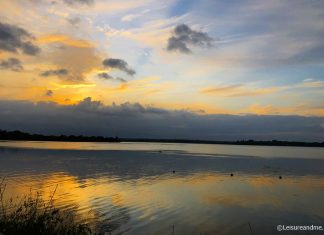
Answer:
(121, 87)
(312, 83)
(261, 109)
(64, 39)
(303, 109)
(237, 90)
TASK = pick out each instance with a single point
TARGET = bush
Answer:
(33, 215)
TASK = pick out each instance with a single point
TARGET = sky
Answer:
(206, 69)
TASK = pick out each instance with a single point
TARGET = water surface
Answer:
(132, 187)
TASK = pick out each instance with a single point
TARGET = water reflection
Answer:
(206, 149)
(138, 193)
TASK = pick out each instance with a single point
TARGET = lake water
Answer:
(132, 188)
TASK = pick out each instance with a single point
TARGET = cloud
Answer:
(120, 79)
(49, 93)
(118, 64)
(57, 72)
(65, 40)
(311, 83)
(184, 36)
(13, 38)
(89, 117)
(74, 20)
(107, 76)
(84, 2)
(237, 91)
(80, 62)
(221, 89)
(312, 54)
(13, 64)
(131, 17)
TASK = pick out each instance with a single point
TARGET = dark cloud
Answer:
(175, 44)
(13, 64)
(57, 72)
(30, 49)
(49, 93)
(85, 2)
(120, 79)
(184, 37)
(118, 64)
(74, 20)
(13, 38)
(106, 76)
(90, 117)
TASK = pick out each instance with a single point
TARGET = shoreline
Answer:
(183, 141)
(23, 136)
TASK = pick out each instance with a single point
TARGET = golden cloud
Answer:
(64, 39)
(238, 90)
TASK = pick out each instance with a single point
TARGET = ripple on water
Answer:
(138, 193)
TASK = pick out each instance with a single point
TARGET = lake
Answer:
(132, 186)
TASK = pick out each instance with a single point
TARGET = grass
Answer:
(33, 215)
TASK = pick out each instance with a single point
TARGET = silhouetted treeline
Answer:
(238, 142)
(18, 135)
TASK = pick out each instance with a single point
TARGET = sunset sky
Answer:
(245, 59)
